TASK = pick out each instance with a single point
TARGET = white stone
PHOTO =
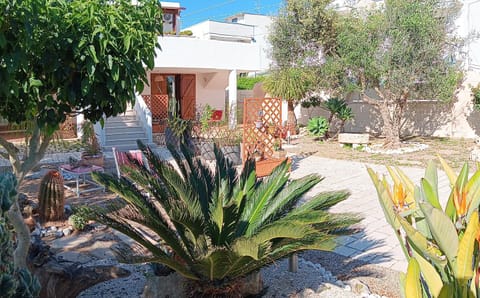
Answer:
(354, 138)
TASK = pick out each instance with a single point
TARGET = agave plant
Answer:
(215, 226)
(318, 126)
(440, 244)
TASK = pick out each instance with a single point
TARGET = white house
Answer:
(190, 72)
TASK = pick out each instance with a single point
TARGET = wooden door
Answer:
(187, 96)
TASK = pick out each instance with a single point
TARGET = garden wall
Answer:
(427, 118)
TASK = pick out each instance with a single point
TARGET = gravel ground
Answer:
(311, 280)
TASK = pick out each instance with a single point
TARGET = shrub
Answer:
(247, 83)
(317, 126)
(440, 244)
(216, 226)
(79, 218)
(476, 96)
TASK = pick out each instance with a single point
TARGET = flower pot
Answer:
(258, 124)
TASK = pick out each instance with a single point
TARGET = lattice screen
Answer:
(262, 119)
(68, 129)
(158, 105)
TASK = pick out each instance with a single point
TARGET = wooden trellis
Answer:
(262, 119)
(158, 105)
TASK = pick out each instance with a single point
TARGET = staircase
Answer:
(123, 131)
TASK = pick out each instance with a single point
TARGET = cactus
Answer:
(51, 197)
(12, 283)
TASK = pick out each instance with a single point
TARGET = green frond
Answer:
(252, 216)
(322, 201)
(289, 196)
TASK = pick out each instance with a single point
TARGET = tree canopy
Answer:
(60, 57)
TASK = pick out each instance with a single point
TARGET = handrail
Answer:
(144, 115)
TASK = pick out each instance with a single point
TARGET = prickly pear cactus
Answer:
(51, 197)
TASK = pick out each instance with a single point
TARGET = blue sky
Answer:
(197, 11)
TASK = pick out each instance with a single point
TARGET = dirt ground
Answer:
(455, 151)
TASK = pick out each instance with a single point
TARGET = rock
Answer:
(36, 232)
(67, 231)
(30, 222)
(58, 234)
(359, 287)
(172, 285)
(68, 210)
(53, 228)
(475, 154)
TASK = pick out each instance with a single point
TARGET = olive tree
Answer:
(302, 33)
(59, 58)
(402, 52)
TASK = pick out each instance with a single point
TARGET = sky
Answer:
(217, 10)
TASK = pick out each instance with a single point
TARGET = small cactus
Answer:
(51, 197)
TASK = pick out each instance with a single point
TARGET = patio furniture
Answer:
(125, 158)
(80, 173)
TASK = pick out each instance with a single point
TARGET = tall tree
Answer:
(302, 33)
(402, 52)
(60, 58)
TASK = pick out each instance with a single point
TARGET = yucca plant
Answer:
(215, 226)
(440, 244)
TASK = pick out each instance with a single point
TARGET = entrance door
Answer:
(187, 96)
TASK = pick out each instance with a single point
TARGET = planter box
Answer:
(266, 166)
(92, 160)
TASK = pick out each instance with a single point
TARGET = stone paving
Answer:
(376, 243)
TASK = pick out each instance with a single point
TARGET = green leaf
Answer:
(109, 62)
(448, 170)
(126, 42)
(413, 287)
(431, 194)
(115, 72)
(431, 276)
(385, 201)
(448, 291)
(93, 54)
(443, 231)
(35, 83)
(464, 270)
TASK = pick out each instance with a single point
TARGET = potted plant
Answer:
(93, 152)
(278, 151)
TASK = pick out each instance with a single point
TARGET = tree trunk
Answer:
(63, 278)
(37, 146)
(291, 118)
(391, 108)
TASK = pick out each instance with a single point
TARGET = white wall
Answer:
(187, 52)
(261, 25)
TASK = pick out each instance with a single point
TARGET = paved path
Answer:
(376, 243)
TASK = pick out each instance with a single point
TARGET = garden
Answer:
(325, 221)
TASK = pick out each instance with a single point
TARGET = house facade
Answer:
(191, 71)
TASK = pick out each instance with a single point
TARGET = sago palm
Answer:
(216, 226)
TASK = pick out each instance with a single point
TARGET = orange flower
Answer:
(460, 202)
(399, 195)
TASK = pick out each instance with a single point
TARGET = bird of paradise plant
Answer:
(440, 244)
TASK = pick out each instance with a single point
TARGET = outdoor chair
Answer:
(124, 158)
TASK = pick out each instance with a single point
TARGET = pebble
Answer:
(67, 231)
